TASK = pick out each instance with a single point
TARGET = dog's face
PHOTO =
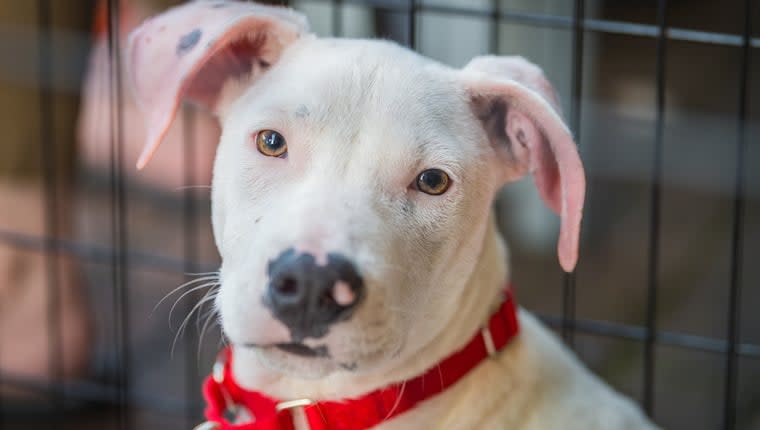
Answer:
(363, 130)
(353, 179)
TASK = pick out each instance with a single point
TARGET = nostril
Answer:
(286, 287)
(326, 300)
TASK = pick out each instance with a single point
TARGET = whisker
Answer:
(398, 401)
(200, 313)
(190, 291)
(185, 321)
(185, 285)
(210, 318)
(214, 273)
(188, 187)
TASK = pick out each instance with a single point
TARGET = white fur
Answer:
(372, 106)
(362, 119)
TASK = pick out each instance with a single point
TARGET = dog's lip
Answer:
(295, 348)
(303, 350)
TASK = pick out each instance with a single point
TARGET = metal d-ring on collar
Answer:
(232, 411)
(294, 404)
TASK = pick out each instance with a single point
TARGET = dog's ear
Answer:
(519, 110)
(193, 50)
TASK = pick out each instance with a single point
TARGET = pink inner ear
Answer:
(542, 161)
(191, 50)
(540, 139)
(232, 61)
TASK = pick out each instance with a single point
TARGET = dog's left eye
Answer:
(271, 143)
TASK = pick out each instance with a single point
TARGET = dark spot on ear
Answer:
(302, 111)
(263, 64)
(521, 138)
(492, 113)
(188, 41)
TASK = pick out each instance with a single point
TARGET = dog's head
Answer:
(353, 180)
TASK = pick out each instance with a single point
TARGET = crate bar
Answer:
(2, 382)
(169, 265)
(650, 341)
(565, 22)
(100, 255)
(119, 271)
(734, 309)
(84, 389)
(99, 394)
(337, 18)
(190, 255)
(104, 393)
(413, 8)
(568, 282)
(108, 394)
(639, 334)
(493, 39)
(49, 166)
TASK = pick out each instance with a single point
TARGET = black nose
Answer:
(308, 297)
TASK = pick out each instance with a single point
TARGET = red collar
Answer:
(228, 402)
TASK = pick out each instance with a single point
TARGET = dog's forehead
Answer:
(362, 70)
(354, 87)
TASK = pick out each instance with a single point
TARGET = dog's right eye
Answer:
(271, 143)
(433, 181)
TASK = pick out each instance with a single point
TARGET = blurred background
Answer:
(663, 96)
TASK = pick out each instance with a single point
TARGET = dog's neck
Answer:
(488, 279)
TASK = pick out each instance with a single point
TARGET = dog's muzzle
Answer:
(308, 297)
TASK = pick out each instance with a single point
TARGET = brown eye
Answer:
(271, 143)
(433, 181)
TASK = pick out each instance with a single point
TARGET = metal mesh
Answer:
(121, 259)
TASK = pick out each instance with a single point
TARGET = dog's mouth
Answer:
(303, 350)
(298, 349)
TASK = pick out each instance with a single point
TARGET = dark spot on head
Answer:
(492, 113)
(219, 5)
(161, 29)
(408, 207)
(302, 111)
(257, 220)
(263, 64)
(188, 41)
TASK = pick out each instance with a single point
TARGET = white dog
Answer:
(363, 277)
